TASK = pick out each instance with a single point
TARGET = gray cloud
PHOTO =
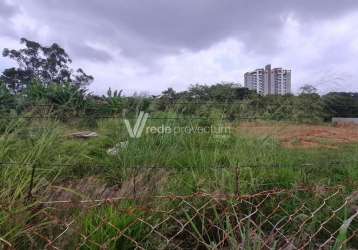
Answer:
(7, 10)
(134, 35)
(160, 26)
(88, 52)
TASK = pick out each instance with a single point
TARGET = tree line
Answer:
(44, 78)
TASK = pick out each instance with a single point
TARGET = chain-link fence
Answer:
(303, 218)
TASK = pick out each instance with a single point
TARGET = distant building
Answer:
(255, 80)
(269, 81)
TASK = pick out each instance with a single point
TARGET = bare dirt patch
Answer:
(92, 188)
(303, 136)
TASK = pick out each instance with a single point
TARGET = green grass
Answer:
(108, 235)
(196, 162)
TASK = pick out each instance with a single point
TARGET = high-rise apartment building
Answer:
(269, 81)
(255, 80)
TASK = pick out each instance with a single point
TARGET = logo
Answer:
(137, 131)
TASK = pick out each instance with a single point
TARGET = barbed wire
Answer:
(129, 118)
(242, 166)
(167, 102)
(300, 218)
(228, 119)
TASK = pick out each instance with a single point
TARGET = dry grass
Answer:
(143, 183)
(302, 136)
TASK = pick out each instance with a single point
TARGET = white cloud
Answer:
(321, 53)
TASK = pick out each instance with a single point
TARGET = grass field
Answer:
(41, 162)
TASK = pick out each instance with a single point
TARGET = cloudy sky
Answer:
(150, 45)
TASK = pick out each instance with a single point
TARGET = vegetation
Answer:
(42, 102)
(196, 163)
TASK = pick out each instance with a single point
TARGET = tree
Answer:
(47, 65)
(221, 92)
(341, 104)
(308, 89)
(166, 99)
(7, 100)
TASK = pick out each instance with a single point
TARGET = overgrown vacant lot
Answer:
(303, 136)
(55, 188)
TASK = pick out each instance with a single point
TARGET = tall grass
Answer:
(197, 163)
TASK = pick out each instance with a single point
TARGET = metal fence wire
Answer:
(302, 218)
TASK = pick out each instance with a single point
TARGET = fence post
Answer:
(237, 180)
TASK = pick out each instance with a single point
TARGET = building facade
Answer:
(269, 81)
(255, 80)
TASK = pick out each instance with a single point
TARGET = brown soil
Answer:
(92, 188)
(303, 136)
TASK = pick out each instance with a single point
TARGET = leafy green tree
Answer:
(64, 101)
(221, 92)
(7, 100)
(166, 99)
(65, 95)
(307, 107)
(45, 65)
(203, 99)
(341, 104)
(308, 89)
